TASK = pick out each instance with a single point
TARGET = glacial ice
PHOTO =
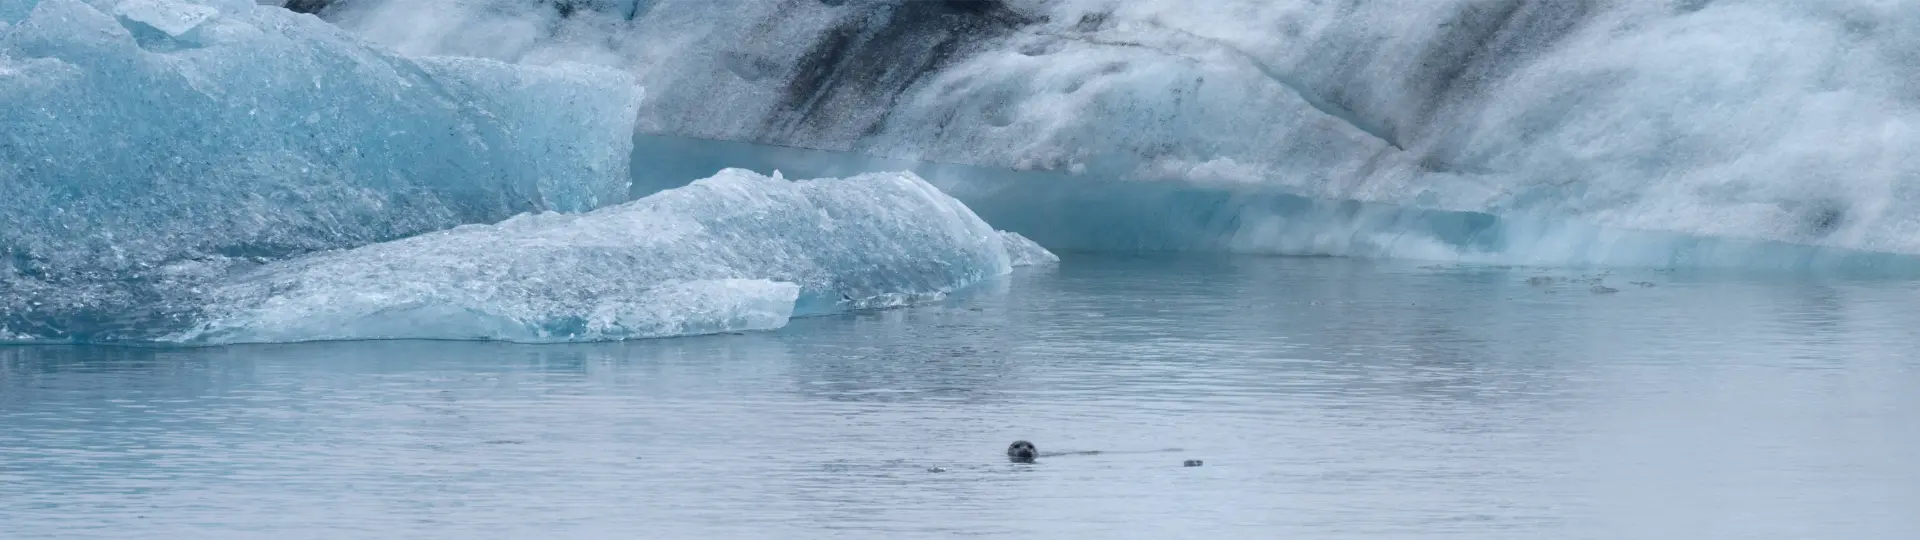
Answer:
(1768, 122)
(174, 19)
(153, 146)
(158, 155)
(212, 171)
(736, 251)
(1022, 251)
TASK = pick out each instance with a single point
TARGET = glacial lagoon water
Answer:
(1329, 398)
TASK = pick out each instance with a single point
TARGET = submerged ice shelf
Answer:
(737, 251)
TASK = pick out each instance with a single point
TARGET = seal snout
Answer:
(1022, 451)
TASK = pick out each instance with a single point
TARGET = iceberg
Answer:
(216, 171)
(736, 251)
(152, 147)
(1769, 122)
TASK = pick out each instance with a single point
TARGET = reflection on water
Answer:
(1329, 398)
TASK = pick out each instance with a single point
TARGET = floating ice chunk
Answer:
(1024, 252)
(171, 17)
(738, 251)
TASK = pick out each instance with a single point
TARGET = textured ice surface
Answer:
(153, 145)
(737, 251)
(1768, 120)
(174, 18)
(1024, 252)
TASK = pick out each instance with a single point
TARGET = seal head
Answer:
(1022, 452)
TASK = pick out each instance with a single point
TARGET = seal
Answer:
(1022, 452)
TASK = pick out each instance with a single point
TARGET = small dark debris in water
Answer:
(1603, 289)
(1643, 283)
(505, 441)
(1540, 280)
(975, 309)
(935, 469)
(1193, 463)
(736, 333)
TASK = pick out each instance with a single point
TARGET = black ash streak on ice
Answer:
(846, 84)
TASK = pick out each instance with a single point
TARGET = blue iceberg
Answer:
(213, 171)
(737, 251)
(154, 146)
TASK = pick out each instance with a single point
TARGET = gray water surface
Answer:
(1329, 398)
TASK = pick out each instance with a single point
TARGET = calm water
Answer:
(1329, 398)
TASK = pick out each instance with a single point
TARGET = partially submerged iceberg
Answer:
(1022, 251)
(737, 251)
(152, 146)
